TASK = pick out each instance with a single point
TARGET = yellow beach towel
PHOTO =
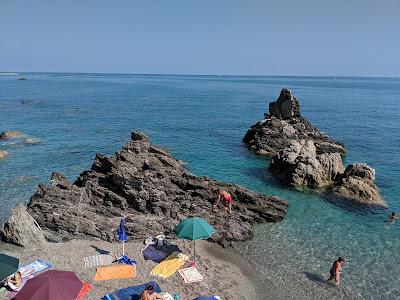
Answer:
(115, 272)
(170, 265)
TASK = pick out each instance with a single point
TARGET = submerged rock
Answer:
(283, 124)
(153, 191)
(358, 183)
(31, 141)
(20, 229)
(300, 165)
(3, 154)
(8, 134)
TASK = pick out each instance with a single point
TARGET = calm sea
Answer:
(202, 120)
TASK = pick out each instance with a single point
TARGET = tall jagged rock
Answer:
(153, 191)
(284, 123)
(304, 156)
(285, 107)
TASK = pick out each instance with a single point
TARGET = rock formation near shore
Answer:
(303, 156)
(20, 229)
(3, 154)
(153, 191)
(9, 134)
(283, 124)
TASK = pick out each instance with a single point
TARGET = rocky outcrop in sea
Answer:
(153, 190)
(303, 156)
(9, 134)
(283, 124)
(3, 154)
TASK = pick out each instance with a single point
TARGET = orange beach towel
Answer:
(115, 272)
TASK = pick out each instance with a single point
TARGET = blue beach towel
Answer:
(151, 253)
(131, 293)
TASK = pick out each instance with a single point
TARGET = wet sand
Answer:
(225, 272)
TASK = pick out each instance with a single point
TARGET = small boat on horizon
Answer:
(21, 78)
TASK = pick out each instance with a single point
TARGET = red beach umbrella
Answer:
(51, 285)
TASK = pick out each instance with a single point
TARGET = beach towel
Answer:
(170, 265)
(115, 272)
(190, 275)
(34, 268)
(151, 253)
(132, 292)
(85, 289)
(98, 260)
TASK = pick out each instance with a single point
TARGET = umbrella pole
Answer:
(123, 248)
(195, 253)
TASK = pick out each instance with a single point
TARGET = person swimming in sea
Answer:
(226, 198)
(336, 270)
(393, 217)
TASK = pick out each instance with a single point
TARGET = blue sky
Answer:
(279, 37)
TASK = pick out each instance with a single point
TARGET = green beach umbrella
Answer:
(194, 229)
(8, 266)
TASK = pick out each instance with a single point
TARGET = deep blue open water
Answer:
(202, 120)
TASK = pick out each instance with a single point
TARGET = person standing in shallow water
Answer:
(226, 198)
(336, 270)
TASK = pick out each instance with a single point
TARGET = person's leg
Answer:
(230, 207)
(337, 278)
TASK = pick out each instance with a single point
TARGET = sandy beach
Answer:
(225, 273)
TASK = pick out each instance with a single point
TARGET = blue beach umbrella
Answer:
(122, 235)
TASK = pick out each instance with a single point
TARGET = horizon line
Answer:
(188, 74)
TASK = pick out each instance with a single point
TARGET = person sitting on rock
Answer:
(149, 294)
(393, 217)
(336, 270)
(227, 198)
(15, 282)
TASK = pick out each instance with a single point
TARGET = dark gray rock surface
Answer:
(153, 191)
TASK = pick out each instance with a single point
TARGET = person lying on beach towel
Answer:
(149, 294)
(15, 282)
(132, 292)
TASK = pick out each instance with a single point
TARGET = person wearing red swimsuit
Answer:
(226, 198)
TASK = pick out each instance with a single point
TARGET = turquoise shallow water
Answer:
(202, 120)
